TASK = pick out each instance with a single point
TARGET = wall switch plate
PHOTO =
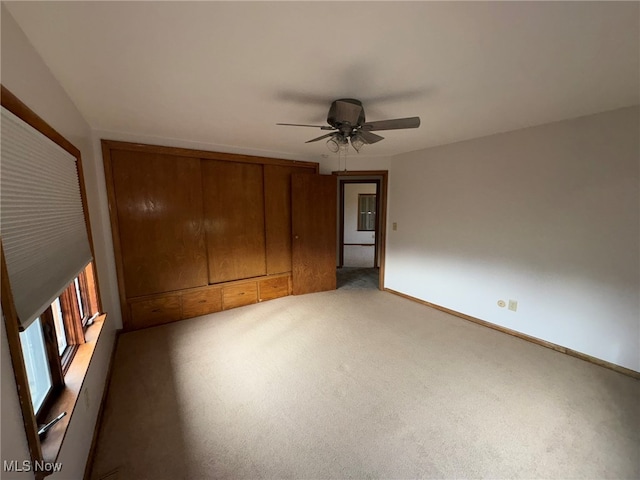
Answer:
(395, 226)
(513, 305)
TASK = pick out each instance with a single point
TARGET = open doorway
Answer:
(361, 229)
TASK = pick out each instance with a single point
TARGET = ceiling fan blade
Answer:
(321, 127)
(320, 138)
(369, 137)
(395, 124)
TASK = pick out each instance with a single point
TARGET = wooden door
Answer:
(158, 203)
(277, 210)
(233, 195)
(314, 218)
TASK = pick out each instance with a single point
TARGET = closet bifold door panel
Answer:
(159, 210)
(233, 195)
(277, 195)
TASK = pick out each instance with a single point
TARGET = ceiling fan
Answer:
(346, 119)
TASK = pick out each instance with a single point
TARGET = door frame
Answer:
(380, 178)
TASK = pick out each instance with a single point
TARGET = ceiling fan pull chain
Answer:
(343, 153)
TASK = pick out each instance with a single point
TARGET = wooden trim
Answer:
(98, 426)
(85, 297)
(67, 357)
(51, 348)
(71, 316)
(21, 110)
(115, 231)
(360, 173)
(341, 226)
(91, 281)
(342, 182)
(188, 152)
(207, 287)
(87, 220)
(264, 223)
(67, 401)
(381, 212)
(17, 360)
(382, 209)
(523, 336)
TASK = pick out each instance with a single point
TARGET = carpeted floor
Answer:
(357, 278)
(358, 384)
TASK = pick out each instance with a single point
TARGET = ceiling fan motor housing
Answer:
(346, 112)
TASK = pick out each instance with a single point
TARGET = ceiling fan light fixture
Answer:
(333, 145)
(337, 143)
(357, 142)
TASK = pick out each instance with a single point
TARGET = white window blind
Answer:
(42, 222)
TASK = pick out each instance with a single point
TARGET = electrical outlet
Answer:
(395, 226)
(513, 305)
(87, 403)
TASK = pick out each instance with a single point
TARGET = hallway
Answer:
(357, 278)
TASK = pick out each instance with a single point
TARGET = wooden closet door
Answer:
(233, 197)
(159, 209)
(314, 218)
(277, 195)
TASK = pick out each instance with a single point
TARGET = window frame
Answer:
(60, 397)
(74, 328)
(59, 317)
(362, 227)
(41, 352)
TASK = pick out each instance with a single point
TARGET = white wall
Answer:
(14, 442)
(25, 74)
(547, 216)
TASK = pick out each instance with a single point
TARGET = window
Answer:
(366, 212)
(51, 341)
(49, 290)
(58, 321)
(35, 359)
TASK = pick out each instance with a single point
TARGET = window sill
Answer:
(67, 400)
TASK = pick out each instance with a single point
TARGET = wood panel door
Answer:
(233, 195)
(158, 203)
(314, 218)
(277, 195)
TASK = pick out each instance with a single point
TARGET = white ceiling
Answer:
(224, 73)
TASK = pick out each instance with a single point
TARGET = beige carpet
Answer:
(359, 384)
